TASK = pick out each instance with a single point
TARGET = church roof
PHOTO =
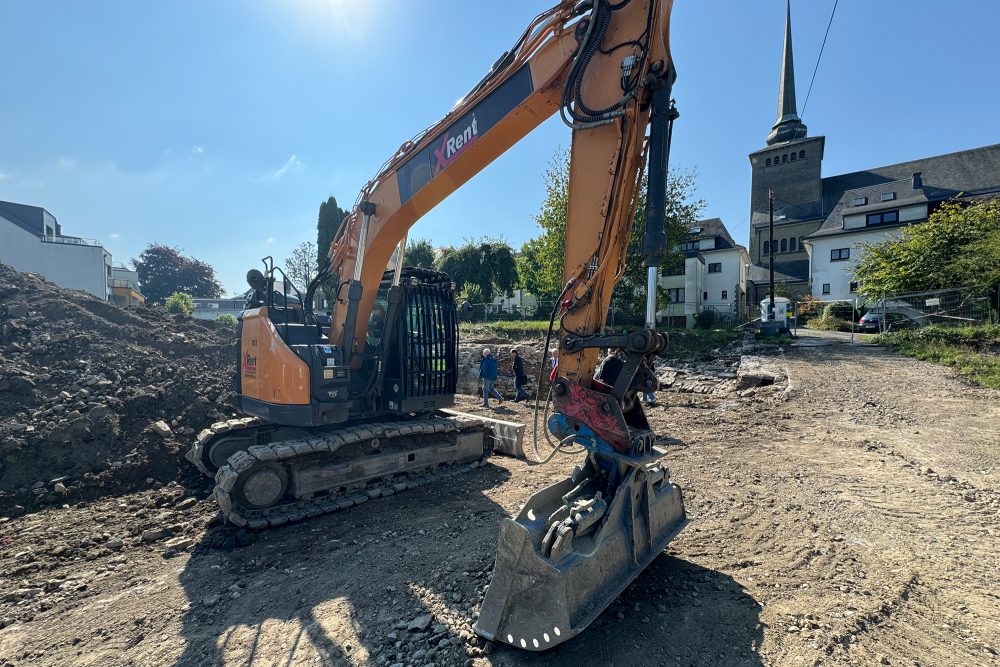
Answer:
(941, 177)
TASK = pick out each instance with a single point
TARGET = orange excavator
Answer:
(343, 411)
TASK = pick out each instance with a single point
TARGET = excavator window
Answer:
(376, 325)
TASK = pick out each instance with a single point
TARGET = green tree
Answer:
(419, 253)
(681, 211)
(482, 269)
(327, 224)
(226, 319)
(958, 246)
(179, 302)
(540, 264)
(300, 267)
(163, 270)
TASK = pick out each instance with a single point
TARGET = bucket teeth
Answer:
(571, 551)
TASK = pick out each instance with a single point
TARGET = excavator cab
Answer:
(291, 373)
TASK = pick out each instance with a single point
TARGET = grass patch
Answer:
(698, 343)
(972, 351)
(511, 329)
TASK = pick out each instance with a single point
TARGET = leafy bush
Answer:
(984, 338)
(705, 319)
(179, 302)
(842, 310)
(829, 323)
(226, 318)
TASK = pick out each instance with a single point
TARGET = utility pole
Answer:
(770, 260)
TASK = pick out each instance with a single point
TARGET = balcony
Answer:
(71, 240)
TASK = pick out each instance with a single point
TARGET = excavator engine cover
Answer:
(572, 550)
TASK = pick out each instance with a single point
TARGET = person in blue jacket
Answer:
(488, 372)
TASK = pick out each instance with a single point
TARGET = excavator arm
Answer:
(600, 64)
(606, 68)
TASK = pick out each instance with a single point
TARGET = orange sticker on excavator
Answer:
(270, 371)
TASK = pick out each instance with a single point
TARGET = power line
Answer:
(819, 57)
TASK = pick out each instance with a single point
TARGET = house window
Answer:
(715, 267)
(725, 294)
(767, 162)
(802, 155)
(704, 296)
(859, 201)
(767, 247)
(784, 245)
(676, 295)
(784, 158)
(883, 218)
(854, 285)
(840, 254)
(689, 246)
(794, 154)
(826, 288)
(791, 244)
(887, 196)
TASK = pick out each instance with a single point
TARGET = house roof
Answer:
(29, 218)
(712, 228)
(941, 177)
(793, 271)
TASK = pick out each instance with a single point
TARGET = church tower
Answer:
(790, 165)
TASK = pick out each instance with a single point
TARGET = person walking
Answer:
(488, 372)
(520, 379)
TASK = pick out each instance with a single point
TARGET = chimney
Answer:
(917, 181)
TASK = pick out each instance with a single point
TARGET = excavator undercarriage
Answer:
(273, 475)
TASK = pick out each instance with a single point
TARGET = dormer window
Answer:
(859, 201)
(887, 196)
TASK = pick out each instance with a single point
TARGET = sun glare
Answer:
(350, 18)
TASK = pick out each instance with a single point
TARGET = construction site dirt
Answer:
(846, 513)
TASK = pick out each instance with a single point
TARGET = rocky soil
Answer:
(83, 384)
(844, 510)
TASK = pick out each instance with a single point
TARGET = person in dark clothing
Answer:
(520, 379)
(488, 372)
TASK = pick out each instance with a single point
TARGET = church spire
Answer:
(787, 125)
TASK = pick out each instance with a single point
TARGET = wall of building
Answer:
(839, 274)
(74, 266)
(728, 280)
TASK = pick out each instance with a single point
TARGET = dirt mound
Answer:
(82, 382)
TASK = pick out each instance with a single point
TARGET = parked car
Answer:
(872, 322)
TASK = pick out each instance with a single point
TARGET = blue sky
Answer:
(220, 126)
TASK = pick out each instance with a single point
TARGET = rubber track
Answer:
(198, 452)
(242, 461)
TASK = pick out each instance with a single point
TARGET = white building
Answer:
(714, 278)
(866, 215)
(31, 240)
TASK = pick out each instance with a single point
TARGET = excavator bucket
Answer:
(571, 551)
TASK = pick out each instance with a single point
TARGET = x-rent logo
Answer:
(451, 146)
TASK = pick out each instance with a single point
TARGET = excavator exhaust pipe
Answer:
(570, 552)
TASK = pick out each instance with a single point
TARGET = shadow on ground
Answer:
(675, 612)
(330, 590)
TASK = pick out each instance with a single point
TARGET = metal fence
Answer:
(961, 306)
